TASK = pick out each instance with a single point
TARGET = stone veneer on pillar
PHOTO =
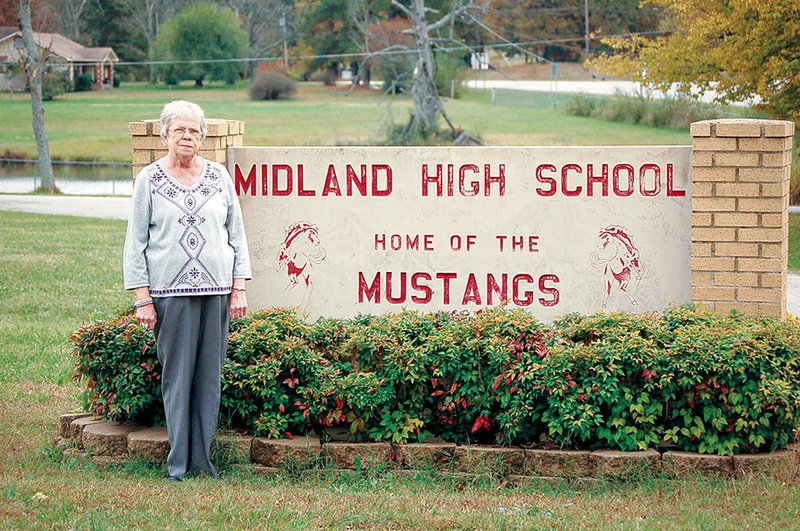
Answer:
(740, 214)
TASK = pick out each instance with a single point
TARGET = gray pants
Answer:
(192, 337)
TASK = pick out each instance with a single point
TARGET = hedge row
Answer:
(687, 378)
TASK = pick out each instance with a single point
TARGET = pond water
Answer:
(76, 178)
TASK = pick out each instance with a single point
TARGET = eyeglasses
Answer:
(180, 131)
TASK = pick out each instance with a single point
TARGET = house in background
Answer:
(63, 55)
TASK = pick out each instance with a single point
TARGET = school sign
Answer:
(553, 230)
(342, 231)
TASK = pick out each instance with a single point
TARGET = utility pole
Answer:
(282, 23)
(586, 25)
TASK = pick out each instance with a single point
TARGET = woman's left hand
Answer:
(238, 307)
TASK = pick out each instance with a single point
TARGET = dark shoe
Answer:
(174, 479)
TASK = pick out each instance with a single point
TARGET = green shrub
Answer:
(390, 354)
(601, 382)
(269, 375)
(475, 363)
(580, 105)
(686, 377)
(622, 108)
(735, 386)
(670, 111)
(83, 82)
(118, 362)
(272, 86)
(54, 85)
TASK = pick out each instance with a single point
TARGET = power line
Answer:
(274, 58)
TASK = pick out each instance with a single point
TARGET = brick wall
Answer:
(147, 146)
(740, 214)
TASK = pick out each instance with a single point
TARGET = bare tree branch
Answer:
(452, 15)
(503, 39)
(402, 8)
(71, 11)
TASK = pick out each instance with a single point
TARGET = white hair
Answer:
(177, 108)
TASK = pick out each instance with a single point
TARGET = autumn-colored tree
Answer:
(43, 15)
(559, 26)
(8, 12)
(738, 48)
(539, 20)
(396, 68)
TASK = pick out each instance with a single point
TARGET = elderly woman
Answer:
(186, 261)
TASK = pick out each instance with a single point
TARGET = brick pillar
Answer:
(740, 214)
(147, 146)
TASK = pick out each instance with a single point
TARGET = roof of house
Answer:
(5, 31)
(67, 49)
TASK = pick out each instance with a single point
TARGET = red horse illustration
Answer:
(619, 258)
(300, 250)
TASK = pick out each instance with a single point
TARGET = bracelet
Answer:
(236, 288)
(144, 302)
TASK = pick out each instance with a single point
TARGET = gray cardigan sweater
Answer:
(185, 241)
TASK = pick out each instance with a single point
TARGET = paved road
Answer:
(68, 205)
(117, 208)
(605, 88)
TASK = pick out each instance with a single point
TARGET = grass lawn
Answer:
(94, 125)
(52, 277)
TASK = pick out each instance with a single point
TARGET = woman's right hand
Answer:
(146, 316)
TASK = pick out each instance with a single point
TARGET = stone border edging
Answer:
(108, 441)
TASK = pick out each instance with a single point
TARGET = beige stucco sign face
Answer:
(341, 231)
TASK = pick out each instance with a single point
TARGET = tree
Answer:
(327, 28)
(539, 20)
(8, 13)
(378, 28)
(427, 103)
(43, 17)
(109, 23)
(71, 12)
(148, 15)
(558, 25)
(34, 68)
(395, 69)
(738, 48)
(197, 33)
(261, 20)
